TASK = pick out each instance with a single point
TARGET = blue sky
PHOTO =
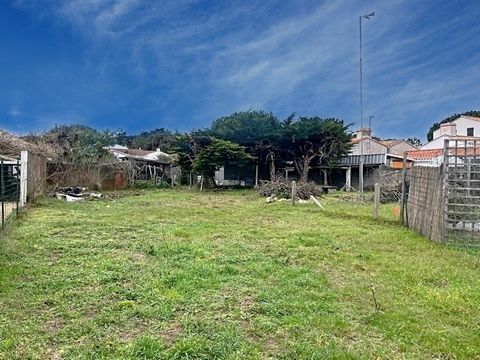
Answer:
(138, 65)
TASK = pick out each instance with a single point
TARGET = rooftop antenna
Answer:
(360, 170)
(370, 122)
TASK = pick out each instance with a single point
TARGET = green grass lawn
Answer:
(187, 275)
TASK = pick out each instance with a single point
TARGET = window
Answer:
(470, 132)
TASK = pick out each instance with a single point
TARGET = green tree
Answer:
(162, 139)
(316, 141)
(258, 131)
(78, 143)
(414, 141)
(204, 155)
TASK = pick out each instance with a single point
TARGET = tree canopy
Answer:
(243, 137)
(316, 141)
(161, 138)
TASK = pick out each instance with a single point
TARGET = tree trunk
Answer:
(305, 170)
(208, 181)
(273, 170)
(302, 165)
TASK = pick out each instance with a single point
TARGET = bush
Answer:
(284, 190)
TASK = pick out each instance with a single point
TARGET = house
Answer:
(124, 153)
(151, 164)
(371, 145)
(463, 125)
(459, 131)
(377, 154)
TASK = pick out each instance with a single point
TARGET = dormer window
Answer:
(470, 131)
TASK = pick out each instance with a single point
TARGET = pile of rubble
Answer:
(73, 194)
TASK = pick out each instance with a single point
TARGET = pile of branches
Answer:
(283, 190)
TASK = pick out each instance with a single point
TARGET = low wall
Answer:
(35, 176)
(101, 177)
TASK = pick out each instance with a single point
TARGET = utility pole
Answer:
(360, 169)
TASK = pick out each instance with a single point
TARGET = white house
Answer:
(461, 126)
(363, 137)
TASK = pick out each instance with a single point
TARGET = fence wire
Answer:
(443, 202)
(9, 190)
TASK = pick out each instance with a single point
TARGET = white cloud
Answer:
(239, 55)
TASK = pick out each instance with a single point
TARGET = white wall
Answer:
(369, 147)
(437, 143)
(464, 123)
(400, 148)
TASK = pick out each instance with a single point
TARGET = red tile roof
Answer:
(424, 154)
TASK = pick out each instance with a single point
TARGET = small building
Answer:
(377, 154)
(151, 164)
(371, 145)
(467, 126)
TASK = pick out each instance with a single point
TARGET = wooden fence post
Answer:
(294, 192)
(376, 200)
(2, 185)
(404, 189)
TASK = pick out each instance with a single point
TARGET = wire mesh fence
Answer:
(462, 191)
(442, 200)
(9, 190)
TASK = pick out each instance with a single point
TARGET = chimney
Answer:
(363, 133)
(448, 129)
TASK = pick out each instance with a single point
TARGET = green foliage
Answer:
(218, 152)
(316, 141)
(436, 125)
(260, 132)
(249, 128)
(205, 154)
(79, 143)
(162, 139)
(414, 141)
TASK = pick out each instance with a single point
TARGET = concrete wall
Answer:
(400, 148)
(437, 143)
(102, 177)
(370, 146)
(35, 176)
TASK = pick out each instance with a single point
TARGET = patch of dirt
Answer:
(54, 325)
(172, 332)
(128, 335)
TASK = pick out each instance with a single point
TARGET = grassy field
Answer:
(188, 275)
